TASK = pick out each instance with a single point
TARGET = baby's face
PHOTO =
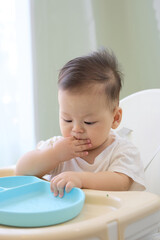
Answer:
(85, 116)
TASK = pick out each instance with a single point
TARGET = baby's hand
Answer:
(65, 181)
(70, 147)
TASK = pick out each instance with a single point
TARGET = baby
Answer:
(89, 154)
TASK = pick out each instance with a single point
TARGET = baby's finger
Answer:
(54, 189)
(61, 192)
(81, 154)
(82, 142)
(60, 186)
(69, 187)
(82, 148)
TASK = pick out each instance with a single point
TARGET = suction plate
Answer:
(26, 201)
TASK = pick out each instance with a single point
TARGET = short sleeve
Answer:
(126, 159)
(48, 143)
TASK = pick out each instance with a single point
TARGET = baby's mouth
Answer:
(78, 137)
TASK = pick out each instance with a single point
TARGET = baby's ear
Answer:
(117, 117)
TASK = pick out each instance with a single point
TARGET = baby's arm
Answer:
(108, 181)
(40, 162)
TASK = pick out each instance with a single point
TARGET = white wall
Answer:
(61, 30)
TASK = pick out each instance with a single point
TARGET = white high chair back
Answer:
(141, 124)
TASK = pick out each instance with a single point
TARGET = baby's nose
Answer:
(78, 128)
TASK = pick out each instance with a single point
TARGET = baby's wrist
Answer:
(83, 179)
(59, 152)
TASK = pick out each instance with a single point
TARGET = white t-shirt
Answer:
(121, 156)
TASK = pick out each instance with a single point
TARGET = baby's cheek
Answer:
(93, 140)
(65, 132)
(96, 139)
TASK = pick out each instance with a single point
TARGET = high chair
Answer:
(115, 215)
(141, 124)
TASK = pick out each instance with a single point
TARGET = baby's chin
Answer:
(92, 148)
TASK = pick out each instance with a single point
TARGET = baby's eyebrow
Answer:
(64, 113)
(86, 115)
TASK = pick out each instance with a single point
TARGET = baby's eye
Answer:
(89, 123)
(68, 121)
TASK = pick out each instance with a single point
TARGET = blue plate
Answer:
(28, 202)
(16, 181)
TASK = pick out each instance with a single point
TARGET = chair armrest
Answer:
(152, 175)
(7, 171)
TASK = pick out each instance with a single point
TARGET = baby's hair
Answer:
(100, 68)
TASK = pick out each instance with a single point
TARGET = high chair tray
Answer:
(26, 201)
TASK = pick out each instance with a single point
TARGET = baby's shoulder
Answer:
(122, 143)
